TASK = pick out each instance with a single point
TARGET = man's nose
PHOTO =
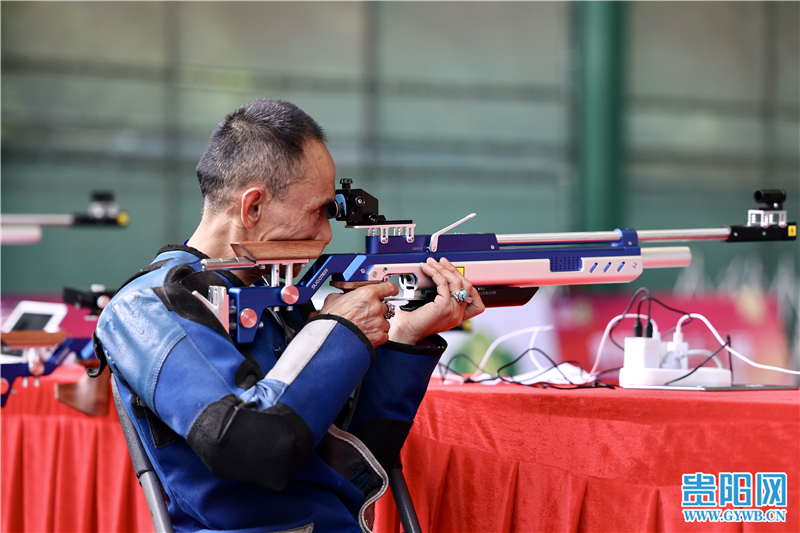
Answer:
(324, 232)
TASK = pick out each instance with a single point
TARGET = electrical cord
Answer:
(608, 371)
(706, 360)
(445, 371)
(533, 329)
(648, 327)
(665, 306)
(625, 312)
(731, 350)
(650, 298)
(595, 383)
(686, 318)
(730, 358)
(448, 371)
(611, 324)
(552, 363)
(448, 374)
(670, 355)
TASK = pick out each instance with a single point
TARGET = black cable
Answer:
(649, 327)
(512, 379)
(730, 357)
(534, 349)
(509, 379)
(543, 384)
(447, 368)
(609, 370)
(596, 384)
(707, 359)
(630, 304)
(665, 306)
(520, 356)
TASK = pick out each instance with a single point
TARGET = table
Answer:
(510, 458)
(478, 458)
(63, 470)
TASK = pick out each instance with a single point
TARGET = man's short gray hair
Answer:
(261, 142)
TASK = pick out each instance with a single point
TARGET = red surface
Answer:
(63, 470)
(478, 458)
(509, 458)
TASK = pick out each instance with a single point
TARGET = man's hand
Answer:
(444, 313)
(364, 308)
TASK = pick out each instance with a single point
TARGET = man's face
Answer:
(302, 215)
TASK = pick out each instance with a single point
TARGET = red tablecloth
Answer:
(511, 458)
(63, 470)
(478, 458)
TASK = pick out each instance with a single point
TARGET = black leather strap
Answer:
(101, 356)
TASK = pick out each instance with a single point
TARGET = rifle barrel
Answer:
(37, 220)
(585, 237)
(666, 257)
(664, 235)
(559, 238)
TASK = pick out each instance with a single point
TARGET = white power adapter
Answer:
(643, 352)
(649, 362)
(676, 353)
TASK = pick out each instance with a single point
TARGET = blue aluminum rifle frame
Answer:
(12, 371)
(459, 249)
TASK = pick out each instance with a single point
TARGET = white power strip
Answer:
(645, 366)
(706, 376)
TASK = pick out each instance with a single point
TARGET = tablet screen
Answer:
(29, 321)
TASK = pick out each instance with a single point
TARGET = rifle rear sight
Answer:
(359, 209)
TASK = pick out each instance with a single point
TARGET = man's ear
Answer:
(253, 200)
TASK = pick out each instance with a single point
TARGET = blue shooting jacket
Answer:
(243, 437)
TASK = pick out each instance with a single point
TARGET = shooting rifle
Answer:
(38, 353)
(506, 270)
(27, 229)
(41, 353)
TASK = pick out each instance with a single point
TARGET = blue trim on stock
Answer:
(450, 242)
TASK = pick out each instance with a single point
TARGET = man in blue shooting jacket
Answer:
(294, 432)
